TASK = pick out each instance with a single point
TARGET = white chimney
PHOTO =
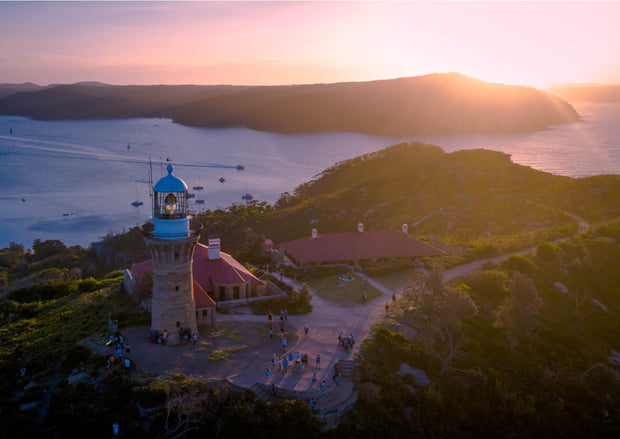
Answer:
(405, 229)
(360, 227)
(213, 247)
(315, 233)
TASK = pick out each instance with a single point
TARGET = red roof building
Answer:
(218, 275)
(331, 247)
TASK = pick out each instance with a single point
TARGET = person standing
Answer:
(283, 344)
(306, 330)
(266, 374)
(194, 339)
(270, 332)
(318, 361)
(115, 429)
(127, 366)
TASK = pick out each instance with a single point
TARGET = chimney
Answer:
(405, 229)
(360, 227)
(315, 233)
(213, 246)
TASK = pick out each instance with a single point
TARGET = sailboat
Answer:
(137, 202)
(248, 196)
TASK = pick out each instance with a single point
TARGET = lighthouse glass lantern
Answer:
(170, 207)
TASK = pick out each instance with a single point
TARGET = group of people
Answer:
(117, 342)
(158, 337)
(285, 362)
(283, 319)
(345, 342)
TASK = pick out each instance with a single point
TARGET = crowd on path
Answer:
(117, 343)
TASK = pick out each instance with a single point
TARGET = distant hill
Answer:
(81, 101)
(589, 93)
(423, 105)
(11, 89)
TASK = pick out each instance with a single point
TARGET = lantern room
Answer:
(170, 207)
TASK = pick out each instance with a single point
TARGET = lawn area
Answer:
(327, 288)
(399, 279)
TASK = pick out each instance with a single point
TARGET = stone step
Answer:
(346, 368)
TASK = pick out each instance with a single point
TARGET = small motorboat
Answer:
(190, 195)
(198, 188)
(222, 179)
(240, 167)
(200, 201)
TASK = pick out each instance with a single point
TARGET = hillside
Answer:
(423, 105)
(589, 93)
(459, 196)
(11, 89)
(83, 101)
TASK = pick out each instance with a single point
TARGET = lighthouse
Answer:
(171, 238)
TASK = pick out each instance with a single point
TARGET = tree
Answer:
(445, 309)
(45, 249)
(519, 311)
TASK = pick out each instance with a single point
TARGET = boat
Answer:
(240, 167)
(128, 146)
(248, 196)
(200, 201)
(198, 188)
(137, 202)
(190, 195)
(222, 179)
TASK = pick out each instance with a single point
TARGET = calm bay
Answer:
(75, 180)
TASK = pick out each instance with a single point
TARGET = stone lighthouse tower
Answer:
(171, 238)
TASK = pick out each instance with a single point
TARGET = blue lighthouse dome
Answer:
(170, 207)
(170, 183)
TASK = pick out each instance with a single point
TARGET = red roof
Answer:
(202, 299)
(225, 270)
(357, 245)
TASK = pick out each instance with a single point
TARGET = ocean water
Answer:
(75, 180)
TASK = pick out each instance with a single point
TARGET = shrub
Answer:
(47, 291)
(381, 268)
(87, 285)
(114, 274)
(75, 356)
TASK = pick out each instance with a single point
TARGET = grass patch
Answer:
(225, 354)
(227, 331)
(398, 279)
(327, 289)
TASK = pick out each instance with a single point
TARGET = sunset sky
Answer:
(532, 43)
